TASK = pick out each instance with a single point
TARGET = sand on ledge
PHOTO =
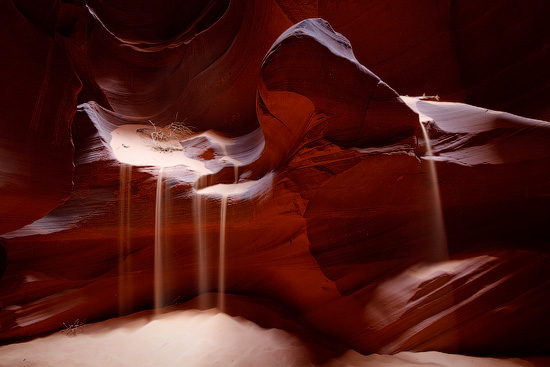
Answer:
(189, 338)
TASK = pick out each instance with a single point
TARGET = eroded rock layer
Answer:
(245, 146)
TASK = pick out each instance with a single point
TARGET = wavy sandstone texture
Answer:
(347, 218)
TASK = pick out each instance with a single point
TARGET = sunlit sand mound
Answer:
(201, 338)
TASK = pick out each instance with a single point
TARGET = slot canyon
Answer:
(275, 183)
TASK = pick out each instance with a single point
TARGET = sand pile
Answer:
(202, 338)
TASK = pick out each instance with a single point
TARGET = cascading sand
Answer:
(221, 266)
(159, 244)
(439, 237)
(199, 210)
(124, 265)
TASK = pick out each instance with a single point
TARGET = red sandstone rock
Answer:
(310, 81)
(352, 209)
(3, 257)
(38, 91)
(457, 302)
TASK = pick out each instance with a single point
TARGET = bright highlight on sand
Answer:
(131, 144)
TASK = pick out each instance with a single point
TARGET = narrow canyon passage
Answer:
(353, 182)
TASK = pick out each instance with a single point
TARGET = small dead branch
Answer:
(73, 327)
(429, 98)
(167, 138)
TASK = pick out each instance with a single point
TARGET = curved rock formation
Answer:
(39, 92)
(311, 87)
(382, 222)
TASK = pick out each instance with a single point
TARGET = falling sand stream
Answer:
(221, 265)
(201, 217)
(223, 220)
(132, 146)
(124, 266)
(199, 211)
(159, 250)
(439, 237)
